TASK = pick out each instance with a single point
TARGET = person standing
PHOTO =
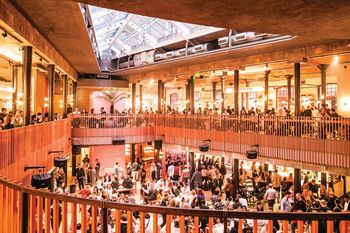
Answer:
(97, 168)
(80, 174)
(276, 182)
(270, 196)
(285, 205)
(196, 179)
(153, 171)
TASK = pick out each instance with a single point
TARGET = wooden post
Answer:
(51, 86)
(74, 217)
(214, 94)
(323, 69)
(27, 77)
(133, 100)
(297, 85)
(15, 87)
(25, 213)
(104, 222)
(266, 90)
(236, 92)
(64, 217)
(65, 95)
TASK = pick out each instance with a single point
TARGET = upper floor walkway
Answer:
(307, 140)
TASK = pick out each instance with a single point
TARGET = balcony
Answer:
(305, 140)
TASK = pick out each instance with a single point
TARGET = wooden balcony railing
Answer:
(30, 146)
(24, 209)
(315, 141)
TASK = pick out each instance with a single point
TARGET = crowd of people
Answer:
(208, 187)
(10, 120)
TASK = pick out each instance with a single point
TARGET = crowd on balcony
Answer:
(209, 187)
(10, 120)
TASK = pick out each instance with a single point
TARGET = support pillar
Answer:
(323, 69)
(164, 171)
(266, 90)
(163, 98)
(297, 85)
(297, 181)
(15, 88)
(193, 168)
(324, 179)
(133, 93)
(223, 78)
(75, 99)
(133, 153)
(27, 77)
(266, 167)
(246, 95)
(236, 171)
(65, 94)
(192, 94)
(104, 220)
(214, 94)
(236, 92)
(160, 94)
(25, 212)
(51, 86)
(141, 97)
(289, 89)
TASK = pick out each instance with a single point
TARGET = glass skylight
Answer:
(127, 34)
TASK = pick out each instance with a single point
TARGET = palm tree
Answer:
(112, 97)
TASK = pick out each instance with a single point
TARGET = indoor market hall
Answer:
(174, 116)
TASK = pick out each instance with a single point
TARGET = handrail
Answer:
(172, 210)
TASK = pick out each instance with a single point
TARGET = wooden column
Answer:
(192, 79)
(188, 95)
(27, 77)
(15, 88)
(51, 86)
(289, 89)
(214, 94)
(75, 99)
(133, 153)
(297, 181)
(192, 164)
(160, 94)
(65, 95)
(104, 220)
(297, 85)
(222, 82)
(163, 98)
(141, 102)
(236, 92)
(324, 179)
(266, 90)
(323, 69)
(133, 97)
(246, 95)
(25, 212)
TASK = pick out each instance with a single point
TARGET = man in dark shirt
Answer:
(3, 113)
(80, 174)
(313, 186)
(127, 183)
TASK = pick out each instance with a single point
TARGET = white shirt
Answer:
(171, 171)
(243, 202)
(346, 205)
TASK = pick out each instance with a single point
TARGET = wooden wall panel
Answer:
(30, 146)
